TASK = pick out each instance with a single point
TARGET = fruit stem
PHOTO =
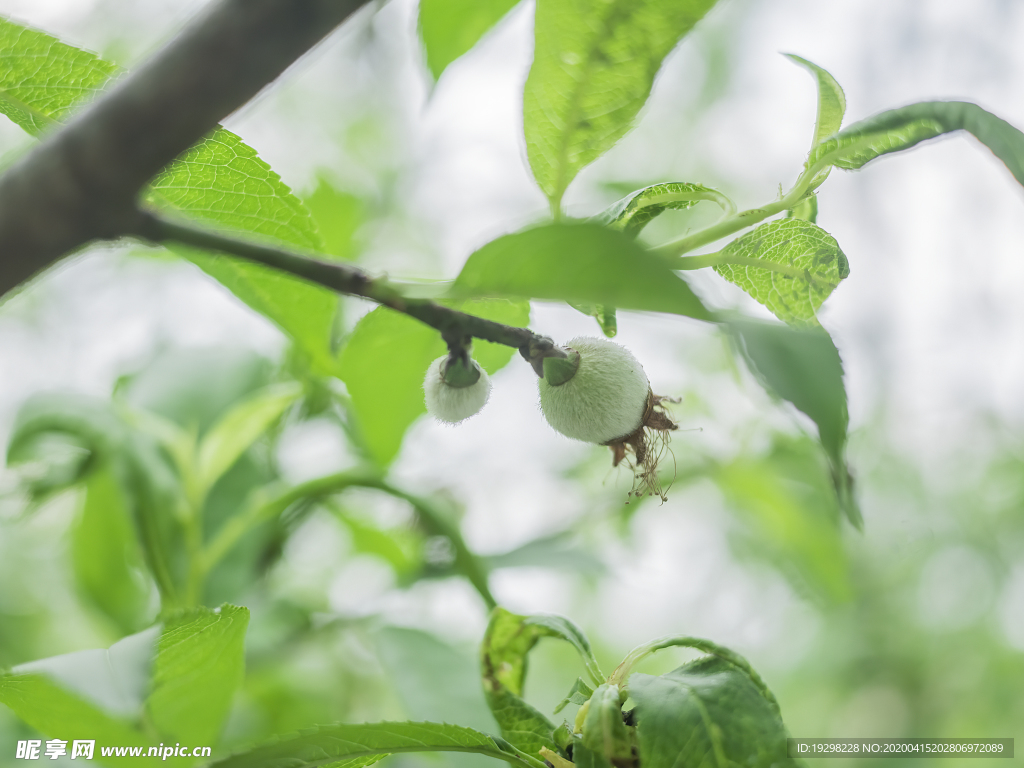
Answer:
(558, 370)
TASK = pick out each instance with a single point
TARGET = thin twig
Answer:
(351, 281)
(431, 517)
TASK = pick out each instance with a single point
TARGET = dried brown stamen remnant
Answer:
(648, 444)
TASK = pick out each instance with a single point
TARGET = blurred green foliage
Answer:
(170, 497)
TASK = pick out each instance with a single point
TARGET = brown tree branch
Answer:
(80, 183)
(344, 278)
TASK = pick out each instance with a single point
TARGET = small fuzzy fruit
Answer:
(448, 402)
(605, 400)
(598, 392)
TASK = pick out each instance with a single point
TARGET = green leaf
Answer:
(114, 680)
(556, 551)
(450, 28)
(593, 66)
(831, 108)
(686, 641)
(561, 627)
(421, 665)
(707, 712)
(605, 316)
(146, 477)
(198, 667)
(831, 100)
(239, 428)
(903, 128)
(802, 366)
(604, 732)
(503, 653)
(401, 548)
(578, 262)
(41, 78)
(802, 265)
(327, 744)
(57, 713)
(584, 757)
(791, 512)
(633, 212)
(579, 694)
(386, 358)
(87, 695)
(220, 181)
(338, 215)
(105, 553)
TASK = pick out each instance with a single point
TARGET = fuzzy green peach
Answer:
(604, 400)
(449, 402)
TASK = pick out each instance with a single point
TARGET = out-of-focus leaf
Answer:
(50, 463)
(791, 510)
(142, 470)
(400, 548)
(337, 215)
(594, 63)
(56, 713)
(421, 667)
(198, 667)
(580, 262)
(114, 680)
(239, 428)
(386, 358)
(220, 181)
(105, 553)
(449, 28)
(803, 264)
(802, 366)
(585, 757)
(604, 731)
(831, 108)
(637, 209)
(194, 388)
(903, 128)
(707, 712)
(329, 743)
(557, 551)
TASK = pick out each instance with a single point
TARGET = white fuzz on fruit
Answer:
(605, 400)
(454, 404)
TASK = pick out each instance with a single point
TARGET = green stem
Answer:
(196, 578)
(556, 207)
(744, 219)
(432, 518)
(437, 523)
